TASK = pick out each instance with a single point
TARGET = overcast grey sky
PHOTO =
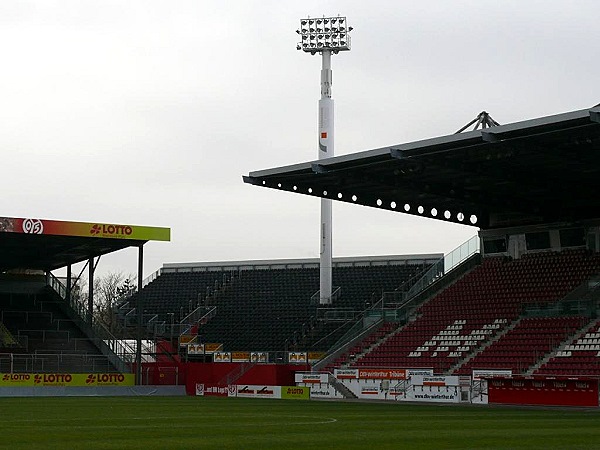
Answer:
(149, 112)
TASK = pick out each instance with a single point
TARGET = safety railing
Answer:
(120, 352)
(363, 327)
(445, 265)
(336, 293)
(6, 337)
(337, 314)
(54, 363)
(583, 300)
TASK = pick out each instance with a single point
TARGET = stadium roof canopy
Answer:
(51, 244)
(532, 172)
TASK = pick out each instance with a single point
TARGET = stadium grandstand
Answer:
(270, 305)
(527, 300)
(521, 298)
(46, 325)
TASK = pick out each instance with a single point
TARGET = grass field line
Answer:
(122, 421)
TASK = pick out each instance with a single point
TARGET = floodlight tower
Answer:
(327, 36)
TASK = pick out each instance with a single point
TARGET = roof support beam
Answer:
(490, 136)
(319, 168)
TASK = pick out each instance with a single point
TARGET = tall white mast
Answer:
(327, 36)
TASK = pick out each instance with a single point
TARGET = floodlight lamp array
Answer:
(324, 33)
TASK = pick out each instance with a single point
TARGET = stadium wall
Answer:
(216, 374)
(163, 373)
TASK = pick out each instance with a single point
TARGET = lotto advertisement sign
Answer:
(83, 229)
(66, 379)
(295, 392)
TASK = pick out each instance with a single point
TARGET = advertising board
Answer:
(211, 390)
(297, 357)
(222, 357)
(258, 391)
(201, 349)
(259, 357)
(314, 357)
(420, 380)
(326, 391)
(382, 374)
(66, 379)
(295, 392)
(83, 229)
(307, 377)
(479, 374)
(346, 374)
(240, 356)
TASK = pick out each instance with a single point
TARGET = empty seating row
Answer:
(481, 305)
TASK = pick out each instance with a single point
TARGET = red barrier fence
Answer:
(544, 391)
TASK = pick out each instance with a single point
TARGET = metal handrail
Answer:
(53, 362)
(446, 264)
(101, 335)
(185, 327)
(358, 331)
(335, 294)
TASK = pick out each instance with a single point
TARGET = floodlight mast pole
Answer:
(327, 35)
(326, 150)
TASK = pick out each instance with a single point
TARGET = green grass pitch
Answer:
(218, 423)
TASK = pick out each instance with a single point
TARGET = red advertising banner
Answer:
(555, 392)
